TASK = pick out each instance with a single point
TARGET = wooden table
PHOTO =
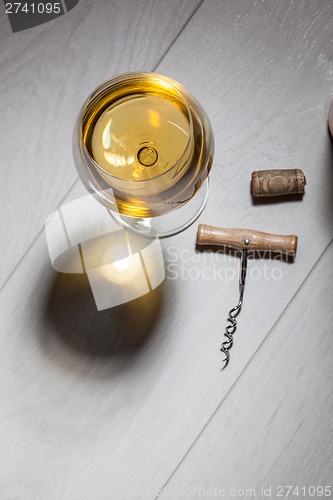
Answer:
(127, 402)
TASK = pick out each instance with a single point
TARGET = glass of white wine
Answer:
(144, 147)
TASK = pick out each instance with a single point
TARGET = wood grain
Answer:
(101, 405)
(275, 426)
(246, 239)
(47, 73)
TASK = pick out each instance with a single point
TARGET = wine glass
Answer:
(143, 146)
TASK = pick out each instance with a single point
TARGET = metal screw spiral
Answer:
(229, 332)
(233, 313)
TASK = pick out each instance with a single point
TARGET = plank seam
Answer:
(40, 232)
(178, 35)
(313, 268)
(12, 272)
(64, 6)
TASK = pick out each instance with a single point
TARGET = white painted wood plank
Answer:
(275, 427)
(265, 76)
(87, 413)
(46, 74)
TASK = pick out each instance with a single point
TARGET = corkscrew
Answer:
(244, 240)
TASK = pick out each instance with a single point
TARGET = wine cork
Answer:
(277, 182)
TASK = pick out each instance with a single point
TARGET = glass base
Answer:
(171, 223)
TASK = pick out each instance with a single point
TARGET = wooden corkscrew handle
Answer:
(246, 239)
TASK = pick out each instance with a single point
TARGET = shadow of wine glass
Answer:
(76, 332)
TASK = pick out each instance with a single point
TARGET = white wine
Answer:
(146, 138)
(140, 138)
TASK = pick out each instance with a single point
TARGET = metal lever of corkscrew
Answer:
(243, 239)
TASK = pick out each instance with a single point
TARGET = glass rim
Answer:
(119, 79)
